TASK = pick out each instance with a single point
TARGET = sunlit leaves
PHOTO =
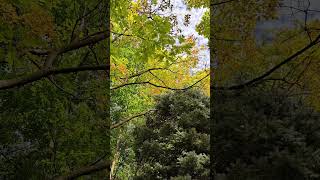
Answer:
(204, 27)
(198, 3)
(146, 60)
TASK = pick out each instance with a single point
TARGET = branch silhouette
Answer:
(159, 86)
(7, 84)
(270, 71)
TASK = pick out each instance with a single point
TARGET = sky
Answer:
(288, 14)
(180, 10)
(286, 18)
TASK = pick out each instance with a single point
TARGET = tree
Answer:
(145, 61)
(246, 120)
(240, 53)
(263, 133)
(174, 142)
(55, 66)
(54, 94)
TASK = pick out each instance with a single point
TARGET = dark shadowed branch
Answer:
(269, 72)
(7, 84)
(222, 2)
(85, 171)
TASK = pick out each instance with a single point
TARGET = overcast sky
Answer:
(290, 12)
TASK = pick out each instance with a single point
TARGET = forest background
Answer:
(69, 108)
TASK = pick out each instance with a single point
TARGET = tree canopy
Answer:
(62, 60)
(174, 141)
(120, 89)
(54, 89)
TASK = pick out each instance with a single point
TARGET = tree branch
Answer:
(123, 34)
(143, 72)
(85, 171)
(92, 39)
(116, 125)
(159, 86)
(261, 77)
(7, 84)
(80, 18)
(39, 52)
(222, 2)
(50, 78)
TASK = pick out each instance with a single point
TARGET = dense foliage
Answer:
(265, 108)
(52, 123)
(174, 142)
(266, 134)
(56, 77)
(260, 134)
(148, 57)
(55, 82)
